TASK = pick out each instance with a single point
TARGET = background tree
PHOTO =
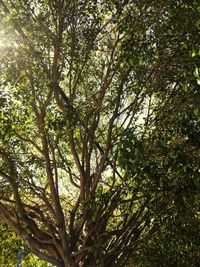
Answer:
(14, 252)
(100, 124)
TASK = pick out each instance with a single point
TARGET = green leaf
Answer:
(196, 72)
(185, 87)
(194, 54)
(196, 111)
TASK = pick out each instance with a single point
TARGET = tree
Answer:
(14, 251)
(97, 99)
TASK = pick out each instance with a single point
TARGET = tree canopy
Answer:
(100, 126)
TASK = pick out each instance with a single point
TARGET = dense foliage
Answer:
(100, 126)
(14, 252)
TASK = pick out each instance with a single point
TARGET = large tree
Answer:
(99, 124)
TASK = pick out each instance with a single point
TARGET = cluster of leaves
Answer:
(14, 251)
(175, 244)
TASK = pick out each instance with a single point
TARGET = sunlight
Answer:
(2, 39)
(7, 39)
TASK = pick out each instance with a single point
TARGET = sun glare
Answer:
(2, 38)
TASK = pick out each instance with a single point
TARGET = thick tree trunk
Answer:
(70, 264)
